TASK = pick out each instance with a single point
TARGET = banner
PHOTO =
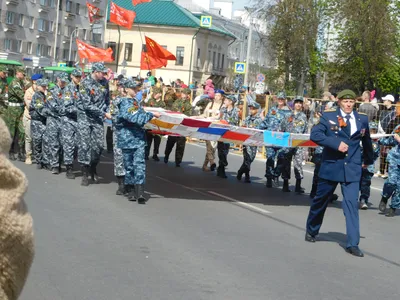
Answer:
(121, 16)
(92, 53)
(94, 12)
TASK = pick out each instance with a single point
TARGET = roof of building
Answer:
(165, 12)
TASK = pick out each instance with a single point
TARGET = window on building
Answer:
(61, 5)
(97, 37)
(38, 50)
(48, 50)
(73, 56)
(19, 46)
(57, 53)
(113, 46)
(9, 17)
(59, 29)
(144, 48)
(218, 60)
(180, 52)
(77, 8)
(52, 3)
(7, 44)
(164, 46)
(51, 26)
(21, 20)
(65, 54)
(43, 2)
(68, 6)
(29, 47)
(41, 25)
(84, 34)
(66, 30)
(198, 61)
(31, 22)
(214, 60)
(209, 60)
(128, 51)
(222, 62)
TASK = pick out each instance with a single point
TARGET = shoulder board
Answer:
(361, 113)
(330, 110)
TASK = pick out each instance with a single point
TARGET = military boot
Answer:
(285, 187)
(21, 155)
(131, 192)
(221, 172)
(247, 177)
(155, 157)
(269, 183)
(12, 156)
(298, 188)
(213, 167)
(121, 185)
(139, 188)
(383, 203)
(93, 173)
(55, 170)
(85, 173)
(391, 213)
(70, 174)
(239, 174)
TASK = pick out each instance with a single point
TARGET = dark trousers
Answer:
(180, 147)
(109, 139)
(157, 142)
(223, 150)
(320, 202)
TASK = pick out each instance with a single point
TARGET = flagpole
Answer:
(119, 45)
(105, 25)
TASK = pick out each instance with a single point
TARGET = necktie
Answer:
(348, 127)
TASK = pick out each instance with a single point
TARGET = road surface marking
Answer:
(242, 204)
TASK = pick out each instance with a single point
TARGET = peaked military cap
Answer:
(36, 77)
(77, 72)
(219, 92)
(373, 125)
(42, 82)
(299, 98)
(233, 98)
(157, 90)
(98, 67)
(346, 94)
(3, 68)
(187, 91)
(281, 95)
(254, 105)
(122, 82)
(21, 70)
(63, 77)
(130, 84)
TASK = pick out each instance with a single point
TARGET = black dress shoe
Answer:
(382, 204)
(391, 213)
(309, 238)
(355, 251)
(155, 157)
(165, 159)
(213, 167)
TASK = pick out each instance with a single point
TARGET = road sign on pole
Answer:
(240, 67)
(260, 78)
(260, 87)
(205, 21)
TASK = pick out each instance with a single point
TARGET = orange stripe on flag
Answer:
(162, 124)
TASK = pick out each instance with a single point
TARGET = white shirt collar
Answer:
(344, 114)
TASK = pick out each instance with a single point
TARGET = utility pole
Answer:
(249, 38)
(56, 31)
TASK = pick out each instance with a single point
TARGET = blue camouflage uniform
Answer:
(91, 109)
(338, 167)
(272, 122)
(368, 173)
(69, 119)
(38, 113)
(232, 117)
(132, 140)
(54, 105)
(249, 152)
(391, 187)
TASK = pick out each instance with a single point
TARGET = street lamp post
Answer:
(70, 42)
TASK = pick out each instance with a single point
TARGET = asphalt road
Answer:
(200, 237)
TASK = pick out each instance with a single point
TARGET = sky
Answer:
(239, 4)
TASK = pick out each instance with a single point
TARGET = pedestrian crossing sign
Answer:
(240, 67)
(205, 21)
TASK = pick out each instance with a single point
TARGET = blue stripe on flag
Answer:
(210, 130)
(277, 138)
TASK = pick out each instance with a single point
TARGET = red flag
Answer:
(94, 12)
(121, 16)
(156, 50)
(149, 63)
(136, 2)
(92, 53)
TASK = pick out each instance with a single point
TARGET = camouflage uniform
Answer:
(14, 114)
(156, 137)
(3, 93)
(54, 104)
(272, 122)
(249, 152)
(132, 140)
(184, 107)
(368, 173)
(91, 109)
(69, 123)
(232, 117)
(392, 183)
(38, 113)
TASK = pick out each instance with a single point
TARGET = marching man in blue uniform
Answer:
(340, 131)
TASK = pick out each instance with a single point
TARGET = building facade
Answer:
(201, 52)
(28, 30)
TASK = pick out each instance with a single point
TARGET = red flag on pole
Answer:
(94, 12)
(149, 63)
(121, 16)
(92, 53)
(136, 2)
(155, 50)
